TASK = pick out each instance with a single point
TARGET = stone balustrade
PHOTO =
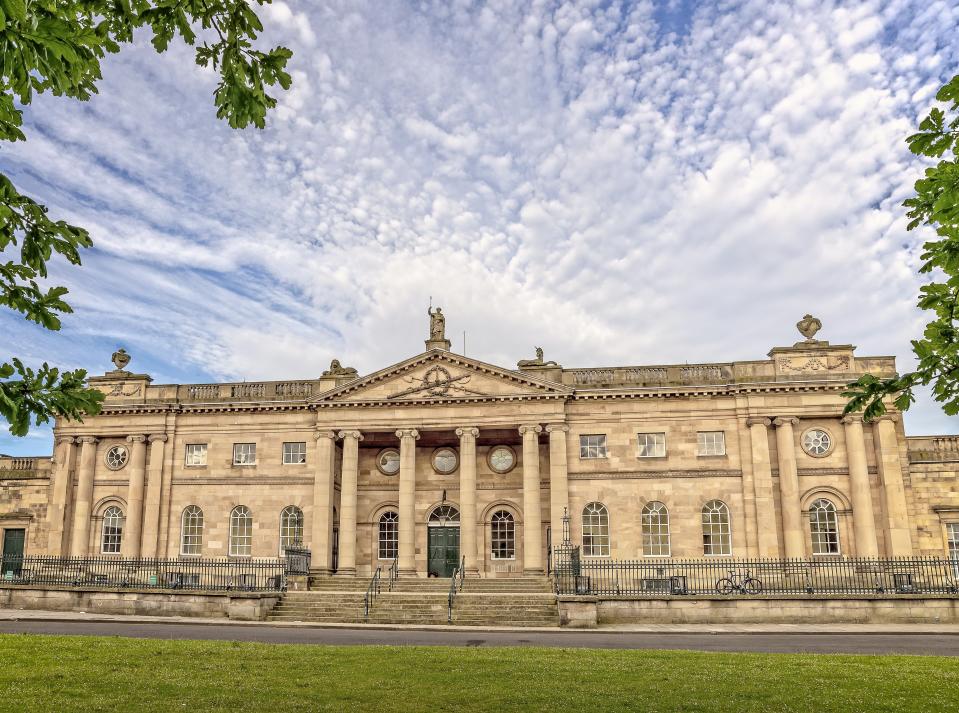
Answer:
(12, 467)
(933, 449)
(247, 391)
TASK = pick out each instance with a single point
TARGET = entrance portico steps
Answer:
(526, 601)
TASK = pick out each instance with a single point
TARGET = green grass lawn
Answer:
(47, 673)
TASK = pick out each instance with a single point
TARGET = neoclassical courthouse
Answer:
(442, 456)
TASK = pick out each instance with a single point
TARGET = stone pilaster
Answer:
(793, 531)
(863, 519)
(532, 509)
(321, 543)
(468, 518)
(890, 470)
(60, 497)
(407, 524)
(558, 480)
(81, 512)
(348, 487)
(134, 518)
(150, 542)
(766, 531)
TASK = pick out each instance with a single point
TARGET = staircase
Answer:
(522, 601)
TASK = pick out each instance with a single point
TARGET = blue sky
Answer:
(620, 183)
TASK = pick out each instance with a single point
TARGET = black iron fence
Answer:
(757, 577)
(250, 575)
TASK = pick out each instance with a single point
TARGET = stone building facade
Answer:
(442, 457)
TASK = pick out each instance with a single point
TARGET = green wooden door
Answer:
(12, 552)
(444, 550)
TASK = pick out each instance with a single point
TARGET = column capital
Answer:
(88, 439)
(534, 428)
(852, 418)
(408, 433)
(471, 432)
(158, 437)
(786, 420)
(137, 438)
(324, 434)
(557, 428)
(65, 439)
(354, 434)
(894, 417)
(759, 421)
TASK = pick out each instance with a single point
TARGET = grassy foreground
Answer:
(47, 673)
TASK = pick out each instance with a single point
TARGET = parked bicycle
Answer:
(743, 584)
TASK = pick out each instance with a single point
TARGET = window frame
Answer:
(247, 516)
(702, 445)
(601, 447)
(729, 527)
(597, 538)
(825, 511)
(236, 462)
(290, 511)
(196, 527)
(645, 444)
(502, 530)
(113, 513)
(293, 454)
(662, 522)
(388, 536)
(952, 546)
(186, 455)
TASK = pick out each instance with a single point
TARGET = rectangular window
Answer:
(592, 446)
(244, 454)
(711, 443)
(294, 453)
(952, 537)
(652, 445)
(195, 454)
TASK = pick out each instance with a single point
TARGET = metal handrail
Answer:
(462, 571)
(371, 592)
(394, 572)
(459, 572)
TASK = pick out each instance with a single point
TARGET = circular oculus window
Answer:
(388, 461)
(501, 459)
(816, 442)
(445, 460)
(117, 457)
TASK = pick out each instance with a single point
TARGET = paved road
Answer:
(923, 644)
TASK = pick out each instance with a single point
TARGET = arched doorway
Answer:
(443, 541)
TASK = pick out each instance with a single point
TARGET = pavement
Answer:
(916, 639)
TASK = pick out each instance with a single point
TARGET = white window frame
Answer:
(706, 443)
(824, 528)
(111, 543)
(388, 536)
(503, 533)
(191, 531)
(655, 531)
(294, 457)
(725, 546)
(190, 457)
(291, 527)
(241, 542)
(653, 443)
(590, 449)
(596, 528)
(952, 546)
(244, 454)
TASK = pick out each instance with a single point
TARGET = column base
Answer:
(533, 571)
(407, 573)
(345, 572)
(472, 572)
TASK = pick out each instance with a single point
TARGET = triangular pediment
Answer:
(439, 375)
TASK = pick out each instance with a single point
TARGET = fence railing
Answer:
(252, 575)
(757, 577)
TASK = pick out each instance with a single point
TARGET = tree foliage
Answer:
(57, 46)
(936, 204)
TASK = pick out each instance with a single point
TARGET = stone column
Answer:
(81, 513)
(863, 520)
(134, 523)
(766, 529)
(348, 483)
(321, 543)
(890, 469)
(407, 524)
(150, 541)
(468, 547)
(793, 531)
(532, 510)
(558, 479)
(62, 482)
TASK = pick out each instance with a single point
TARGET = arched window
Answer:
(291, 528)
(241, 532)
(824, 528)
(389, 537)
(655, 530)
(444, 515)
(112, 531)
(191, 531)
(502, 536)
(595, 530)
(716, 535)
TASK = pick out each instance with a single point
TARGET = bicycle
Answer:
(742, 584)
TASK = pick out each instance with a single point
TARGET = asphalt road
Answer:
(920, 644)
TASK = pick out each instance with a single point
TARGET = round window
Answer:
(444, 460)
(117, 457)
(501, 459)
(388, 461)
(816, 442)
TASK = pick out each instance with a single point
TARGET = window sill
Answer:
(502, 559)
(662, 457)
(304, 463)
(244, 465)
(711, 455)
(606, 457)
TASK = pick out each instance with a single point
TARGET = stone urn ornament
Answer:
(808, 326)
(120, 359)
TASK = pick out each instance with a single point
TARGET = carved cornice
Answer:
(467, 433)
(654, 474)
(258, 480)
(759, 421)
(533, 428)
